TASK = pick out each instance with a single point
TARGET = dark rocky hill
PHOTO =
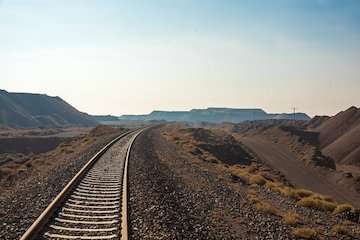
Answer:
(28, 110)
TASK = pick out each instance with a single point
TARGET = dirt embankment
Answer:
(20, 145)
(242, 201)
(212, 145)
(26, 188)
(340, 137)
(27, 145)
(304, 144)
(296, 153)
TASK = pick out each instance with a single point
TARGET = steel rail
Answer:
(124, 206)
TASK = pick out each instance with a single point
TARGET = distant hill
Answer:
(37, 110)
(340, 136)
(105, 118)
(214, 115)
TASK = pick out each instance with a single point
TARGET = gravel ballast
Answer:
(171, 198)
(24, 201)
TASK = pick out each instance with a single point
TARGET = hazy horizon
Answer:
(132, 57)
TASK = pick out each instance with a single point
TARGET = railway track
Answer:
(93, 205)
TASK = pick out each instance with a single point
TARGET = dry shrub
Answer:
(290, 192)
(257, 179)
(301, 193)
(287, 192)
(244, 175)
(252, 192)
(343, 208)
(340, 229)
(253, 186)
(291, 218)
(252, 169)
(265, 207)
(304, 197)
(253, 199)
(279, 188)
(85, 139)
(317, 203)
(327, 198)
(273, 185)
(252, 196)
(306, 233)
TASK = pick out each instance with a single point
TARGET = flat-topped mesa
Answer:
(215, 115)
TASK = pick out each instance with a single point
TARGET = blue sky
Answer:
(107, 56)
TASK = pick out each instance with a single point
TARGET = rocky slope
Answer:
(37, 110)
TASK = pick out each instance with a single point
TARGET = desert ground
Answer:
(218, 188)
(253, 180)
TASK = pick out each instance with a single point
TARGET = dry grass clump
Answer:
(252, 196)
(340, 229)
(265, 207)
(252, 169)
(273, 185)
(257, 179)
(253, 186)
(301, 193)
(306, 233)
(253, 199)
(291, 218)
(261, 204)
(249, 174)
(252, 192)
(241, 173)
(304, 197)
(280, 188)
(317, 202)
(289, 191)
(343, 208)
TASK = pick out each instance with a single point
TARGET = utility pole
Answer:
(294, 112)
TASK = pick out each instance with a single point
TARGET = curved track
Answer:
(94, 203)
